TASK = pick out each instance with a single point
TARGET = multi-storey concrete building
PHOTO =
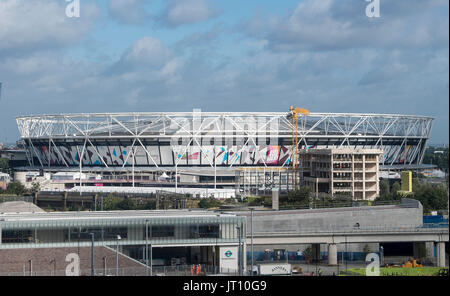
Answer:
(342, 171)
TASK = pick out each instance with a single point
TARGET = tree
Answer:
(126, 204)
(16, 188)
(395, 188)
(439, 159)
(206, 203)
(35, 187)
(300, 196)
(4, 165)
(433, 197)
(110, 202)
(385, 188)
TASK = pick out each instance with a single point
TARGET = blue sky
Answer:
(176, 55)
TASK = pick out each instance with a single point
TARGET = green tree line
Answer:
(433, 196)
(438, 159)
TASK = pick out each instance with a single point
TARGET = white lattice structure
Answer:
(212, 139)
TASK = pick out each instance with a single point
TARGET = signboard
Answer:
(275, 269)
(272, 155)
(228, 259)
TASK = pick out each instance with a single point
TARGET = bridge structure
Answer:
(332, 237)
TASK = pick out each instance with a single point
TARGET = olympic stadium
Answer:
(219, 140)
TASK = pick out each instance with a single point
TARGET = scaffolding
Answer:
(261, 181)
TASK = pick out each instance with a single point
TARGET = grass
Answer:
(396, 271)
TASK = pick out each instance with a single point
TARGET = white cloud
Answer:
(280, 67)
(148, 52)
(181, 12)
(41, 24)
(337, 25)
(128, 11)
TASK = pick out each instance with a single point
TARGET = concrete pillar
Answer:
(332, 254)
(315, 252)
(440, 246)
(244, 258)
(417, 250)
(429, 249)
(275, 199)
(65, 200)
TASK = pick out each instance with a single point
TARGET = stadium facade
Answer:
(213, 140)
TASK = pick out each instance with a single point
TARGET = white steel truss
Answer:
(245, 129)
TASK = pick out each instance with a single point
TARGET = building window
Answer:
(204, 231)
(17, 236)
(209, 231)
(163, 231)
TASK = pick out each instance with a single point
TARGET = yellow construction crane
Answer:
(294, 156)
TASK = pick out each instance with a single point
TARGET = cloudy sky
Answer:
(224, 55)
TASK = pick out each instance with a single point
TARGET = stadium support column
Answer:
(332, 254)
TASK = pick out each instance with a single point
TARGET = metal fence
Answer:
(337, 229)
(318, 204)
(179, 270)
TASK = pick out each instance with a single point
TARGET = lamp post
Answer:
(239, 251)
(382, 255)
(117, 254)
(251, 233)
(54, 266)
(92, 254)
(151, 259)
(146, 250)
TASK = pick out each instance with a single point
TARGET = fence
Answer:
(179, 270)
(342, 204)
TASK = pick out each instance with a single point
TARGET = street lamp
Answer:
(92, 254)
(117, 254)
(54, 266)
(251, 233)
(382, 255)
(146, 251)
(239, 251)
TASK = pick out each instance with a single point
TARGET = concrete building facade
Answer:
(342, 171)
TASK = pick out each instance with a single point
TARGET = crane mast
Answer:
(294, 115)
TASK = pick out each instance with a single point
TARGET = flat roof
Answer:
(110, 215)
(19, 207)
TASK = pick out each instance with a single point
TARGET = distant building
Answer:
(407, 181)
(342, 171)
